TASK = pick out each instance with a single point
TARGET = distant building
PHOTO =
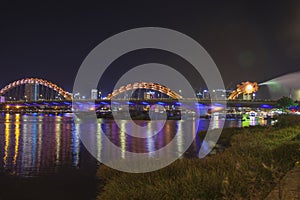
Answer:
(149, 95)
(94, 94)
(31, 91)
(205, 94)
(214, 94)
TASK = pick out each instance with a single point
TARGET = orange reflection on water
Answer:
(7, 130)
(57, 141)
(17, 137)
(123, 139)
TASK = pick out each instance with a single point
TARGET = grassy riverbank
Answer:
(253, 164)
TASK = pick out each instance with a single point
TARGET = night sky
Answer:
(247, 40)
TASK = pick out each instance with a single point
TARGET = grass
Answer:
(253, 164)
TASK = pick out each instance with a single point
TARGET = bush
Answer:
(287, 120)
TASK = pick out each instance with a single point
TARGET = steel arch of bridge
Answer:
(145, 85)
(43, 82)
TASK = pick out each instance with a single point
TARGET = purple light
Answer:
(266, 106)
(178, 103)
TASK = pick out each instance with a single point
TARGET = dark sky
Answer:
(248, 40)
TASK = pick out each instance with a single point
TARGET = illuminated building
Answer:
(31, 91)
(94, 94)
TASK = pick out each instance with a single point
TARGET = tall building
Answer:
(94, 94)
(205, 94)
(31, 91)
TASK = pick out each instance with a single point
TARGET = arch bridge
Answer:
(33, 89)
(146, 86)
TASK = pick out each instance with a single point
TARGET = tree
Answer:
(286, 102)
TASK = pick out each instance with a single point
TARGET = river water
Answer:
(33, 146)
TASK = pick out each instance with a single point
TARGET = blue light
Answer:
(199, 104)
(293, 107)
(266, 106)
(218, 104)
(178, 103)
(144, 103)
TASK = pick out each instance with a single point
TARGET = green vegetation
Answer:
(286, 102)
(254, 162)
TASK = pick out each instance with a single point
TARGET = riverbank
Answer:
(254, 162)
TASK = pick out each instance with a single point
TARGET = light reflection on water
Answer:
(39, 144)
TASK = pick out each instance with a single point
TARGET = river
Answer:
(43, 153)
